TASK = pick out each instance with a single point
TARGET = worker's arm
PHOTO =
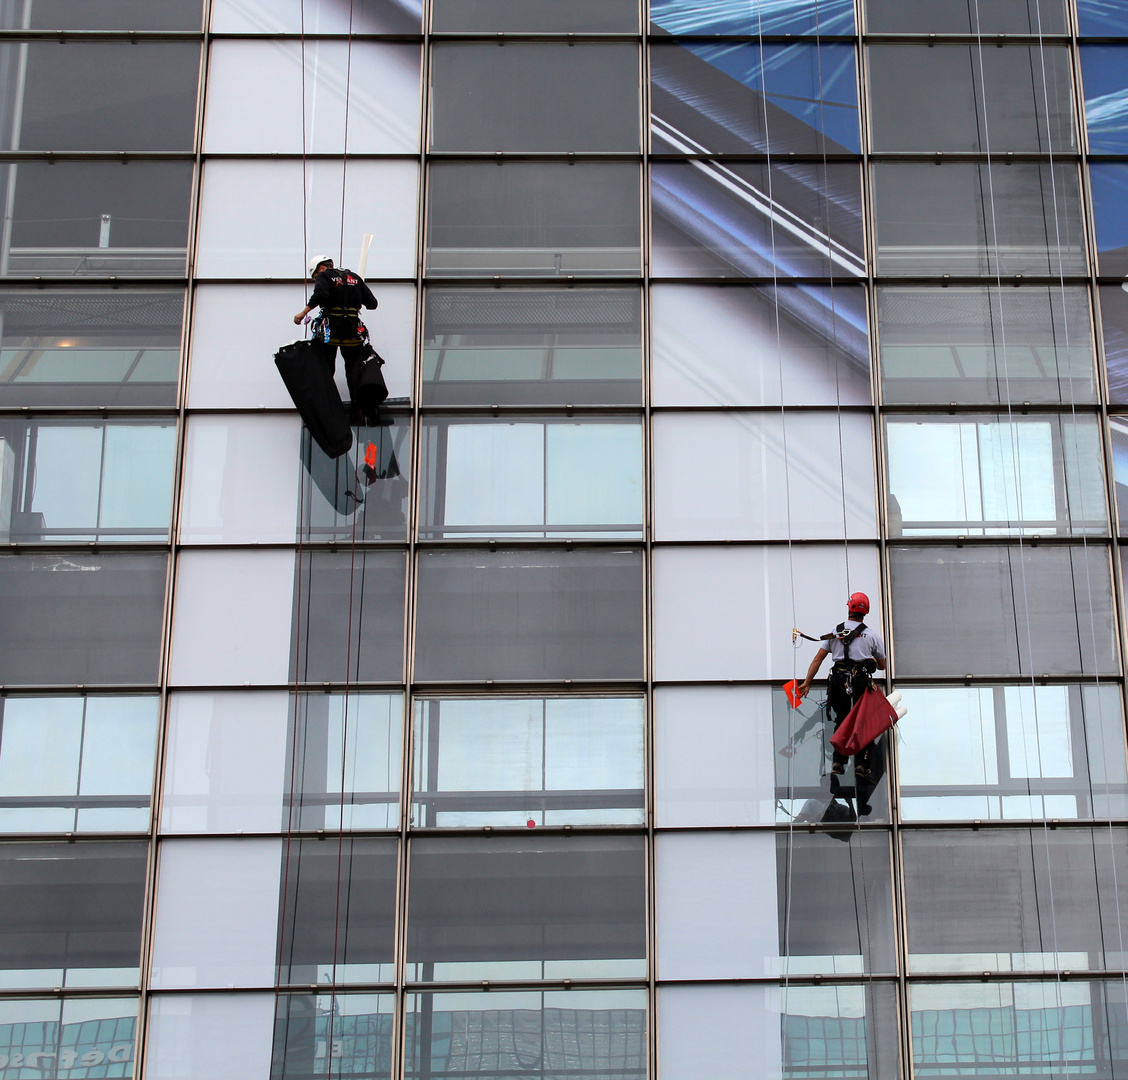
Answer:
(881, 665)
(805, 686)
(302, 314)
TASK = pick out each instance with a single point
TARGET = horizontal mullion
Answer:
(61, 548)
(122, 157)
(99, 412)
(758, 158)
(914, 680)
(63, 36)
(1062, 408)
(297, 36)
(755, 39)
(297, 155)
(970, 38)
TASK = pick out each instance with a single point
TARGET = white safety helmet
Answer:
(316, 261)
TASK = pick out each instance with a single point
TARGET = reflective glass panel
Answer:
(531, 479)
(1109, 185)
(77, 764)
(533, 218)
(526, 908)
(753, 98)
(80, 619)
(529, 615)
(316, 16)
(528, 761)
(532, 346)
(70, 914)
(338, 914)
(105, 15)
(348, 616)
(1011, 753)
(534, 96)
(995, 475)
(1118, 426)
(334, 1035)
(960, 17)
(752, 17)
(1102, 18)
(89, 347)
(1106, 97)
(1028, 610)
(519, 16)
(98, 95)
(345, 761)
(96, 218)
(66, 1038)
(1114, 329)
(978, 219)
(232, 1031)
(963, 98)
(986, 344)
(722, 219)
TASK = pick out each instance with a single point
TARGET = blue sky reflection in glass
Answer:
(1106, 97)
(753, 16)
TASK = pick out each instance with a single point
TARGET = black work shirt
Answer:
(341, 294)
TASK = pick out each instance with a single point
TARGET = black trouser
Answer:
(353, 353)
(842, 692)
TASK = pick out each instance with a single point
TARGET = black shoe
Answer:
(838, 768)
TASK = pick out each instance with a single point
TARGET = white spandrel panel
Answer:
(231, 619)
(255, 97)
(733, 346)
(225, 762)
(316, 16)
(726, 612)
(216, 918)
(237, 329)
(713, 756)
(252, 212)
(716, 906)
(241, 475)
(771, 476)
(210, 1036)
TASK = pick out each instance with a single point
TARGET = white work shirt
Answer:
(865, 645)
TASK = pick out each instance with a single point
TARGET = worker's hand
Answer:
(298, 318)
(803, 689)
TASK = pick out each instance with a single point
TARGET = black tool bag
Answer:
(309, 378)
(366, 382)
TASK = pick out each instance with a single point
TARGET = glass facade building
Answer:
(467, 754)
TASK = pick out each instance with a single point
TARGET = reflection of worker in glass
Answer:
(857, 652)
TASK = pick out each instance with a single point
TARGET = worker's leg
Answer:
(839, 703)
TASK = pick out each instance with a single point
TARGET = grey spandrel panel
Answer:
(533, 219)
(760, 345)
(526, 908)
(966, 99)
(77, 764)
(721, 17)
(959, 17)
(83, 1035)
(96, 218)
(80, 619)
(518, 16)
(721, 219)
(967, 753)
(114, 15)
(986, 344)
(349, 617)
(358, 1026)
(338, 910)
(529, 615)
(986, 219)
(995, 475)
(1014, 610)
(316, 16)
(535, 96)
(99, 95)
(540, 346)
(1016, 899)
(72, 913)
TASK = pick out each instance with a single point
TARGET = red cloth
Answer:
(870, 717)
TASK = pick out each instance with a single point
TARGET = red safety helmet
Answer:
(858, 604)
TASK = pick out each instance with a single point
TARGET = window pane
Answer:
(348, 616)
(344, 765)
(97, 218)
(959, 17)
(78, 1036)
(1013, 99)
(529, 615)
(745, 98)
(519, 908)
(315, 16)
(1118, 426)
(757, 17)
(80, 619)
(528, 761)
(116, 15)
(1109, 184)
(89, 347)
(338, 914)
(518, 16)
(1114, 328)
(358, 1028)
(793, 345)
(533, 218)
(532, 346)
(232, 1032)
(1102, 18)
(977, 219)
(534, 96)
(70, 914)
(987, 344)
(1106, 88)
(995, 475)
(531, 479)
(1012, 753)
(1002, 610)
(99, 95)
(719, 219)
